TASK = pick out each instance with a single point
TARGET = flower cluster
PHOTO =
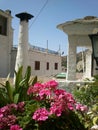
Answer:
(47, 103)
(60, 101)
(15, 127)
(42, 91)
(8, 115)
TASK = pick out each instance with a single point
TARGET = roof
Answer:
(85, 20)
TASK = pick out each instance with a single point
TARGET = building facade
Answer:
(43, 62)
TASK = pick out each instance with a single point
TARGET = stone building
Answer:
(43, 62)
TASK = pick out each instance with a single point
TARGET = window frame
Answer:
(37, 65)
(47, 66)
(56, 66)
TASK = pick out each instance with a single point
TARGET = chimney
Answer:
(22, 51)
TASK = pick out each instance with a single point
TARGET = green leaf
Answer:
(10, 90)
(28, 74)
(16, 98)
(18, 77)
(95, 120)
(22, 82)
(3, 97)
(34, 80)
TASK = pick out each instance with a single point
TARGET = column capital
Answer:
(24, 16)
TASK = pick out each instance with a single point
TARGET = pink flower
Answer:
(35, 89)
(20, 106)
(60, 92)
(62, 102)
(81, 107)
(40, 114)
(7, 120)
(70, 106)
(1, 115)
(15, 127)
(12, 106)
(44, 93)
(56, 109)
(51, 84)
(7, 117)
(30, 90)
(4, 109)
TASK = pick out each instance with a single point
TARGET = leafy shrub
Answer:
(88, 94)
(10, 93)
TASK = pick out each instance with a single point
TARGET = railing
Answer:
(42, 49)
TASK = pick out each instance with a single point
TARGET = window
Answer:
(56, 66)
(37, 65)
(3, 25)
(47, 66)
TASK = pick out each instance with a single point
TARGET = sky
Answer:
(47, 15)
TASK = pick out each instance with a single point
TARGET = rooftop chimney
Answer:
(22, 51)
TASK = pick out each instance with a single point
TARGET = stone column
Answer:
(71, 59)
(22, 51)
(88, 67)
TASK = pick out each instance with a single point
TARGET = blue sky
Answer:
(55, 12)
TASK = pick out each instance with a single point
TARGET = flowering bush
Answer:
(8, 116)
(50, 108)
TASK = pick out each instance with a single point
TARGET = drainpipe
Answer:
(22, 51)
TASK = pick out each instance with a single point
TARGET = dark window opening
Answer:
(37, 65)
(47, 67)
(3, 25)
(56, 66)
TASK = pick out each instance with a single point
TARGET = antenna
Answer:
(59, 51)
(47, 47)
(47, 44)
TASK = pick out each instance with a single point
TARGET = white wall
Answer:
(6, 42)
(44, 57)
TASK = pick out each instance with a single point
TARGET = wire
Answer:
(39, 13)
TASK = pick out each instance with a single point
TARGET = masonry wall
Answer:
(4, 56)
(6, 41)
(43, 58)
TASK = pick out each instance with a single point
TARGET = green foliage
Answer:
(68, 122)
(88, 94)
(18, 92)
(6, 94)
(25, 120)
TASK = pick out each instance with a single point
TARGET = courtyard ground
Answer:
(44, 78)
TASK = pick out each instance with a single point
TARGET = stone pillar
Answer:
(71, 59)
(88, 65)
(22, 51)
